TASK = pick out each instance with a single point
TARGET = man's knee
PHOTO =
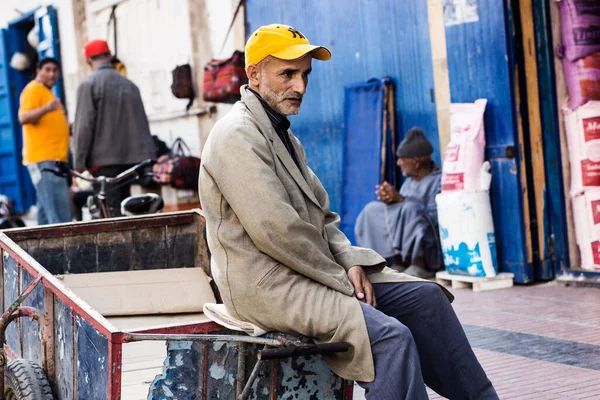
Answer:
(397, 332)
(430, 289)
(396, 341)
(372, 208)
(430, 293)
(383, 328)
(403, 333)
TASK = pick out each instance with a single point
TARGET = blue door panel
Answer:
(510, 243)
(362, 150)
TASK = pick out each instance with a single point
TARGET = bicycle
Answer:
(97, 204)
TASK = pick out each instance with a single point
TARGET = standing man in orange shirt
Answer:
(46, 140)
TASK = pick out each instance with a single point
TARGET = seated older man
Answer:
(403, 225)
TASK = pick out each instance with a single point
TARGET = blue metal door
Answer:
(13, 176)
(481, 64)
(487, 58)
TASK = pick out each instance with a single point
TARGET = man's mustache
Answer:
(294, 96)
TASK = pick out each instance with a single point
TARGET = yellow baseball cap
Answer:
(283, 42)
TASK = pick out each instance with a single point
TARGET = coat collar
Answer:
(256, 109)
(104, 66)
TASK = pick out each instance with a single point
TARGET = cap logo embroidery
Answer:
(296, 32)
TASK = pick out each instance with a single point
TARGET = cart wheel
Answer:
(25, 380)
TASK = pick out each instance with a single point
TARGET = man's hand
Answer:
(363, 290)
(54, 105)
(387, 193)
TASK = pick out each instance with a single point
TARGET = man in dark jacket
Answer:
(111, 131)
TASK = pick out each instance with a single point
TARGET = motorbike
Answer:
(8, 219)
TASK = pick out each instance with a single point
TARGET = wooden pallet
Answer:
(479, 284)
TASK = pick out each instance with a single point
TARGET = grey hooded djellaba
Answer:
(408, 229)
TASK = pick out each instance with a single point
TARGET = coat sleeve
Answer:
(241, 164)
(84, 125)
(345, 254)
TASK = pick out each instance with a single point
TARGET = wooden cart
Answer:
(50, 328)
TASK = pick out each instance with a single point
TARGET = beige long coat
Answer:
(279, 259)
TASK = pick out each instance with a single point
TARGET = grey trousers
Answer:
(417, 339)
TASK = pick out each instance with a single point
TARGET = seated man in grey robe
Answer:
(403, 225)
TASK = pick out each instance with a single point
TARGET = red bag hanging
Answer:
(224, 78)
(178, 168)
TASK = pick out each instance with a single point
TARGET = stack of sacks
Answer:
(583, 139)
(580, 52)
(464, 209)
(586, 211)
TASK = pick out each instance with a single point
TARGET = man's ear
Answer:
(253, 72)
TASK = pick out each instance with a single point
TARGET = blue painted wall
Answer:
(481, 64)
(374, 39)
(368, 39)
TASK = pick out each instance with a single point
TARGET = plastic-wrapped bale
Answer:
(465, 152)
(580, 24)
(467, 233)
(583, 79)
(586, 212)
(583, 139)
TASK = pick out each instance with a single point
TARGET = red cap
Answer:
(95, 48)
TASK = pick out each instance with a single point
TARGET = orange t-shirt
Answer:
(47, 139)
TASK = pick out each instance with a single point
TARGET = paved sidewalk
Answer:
(535, 342)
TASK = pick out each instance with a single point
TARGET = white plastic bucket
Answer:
(467, 233)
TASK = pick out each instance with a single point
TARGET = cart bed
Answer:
(77, 334)
(87, 355)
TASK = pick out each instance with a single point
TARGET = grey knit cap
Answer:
(415, 144)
